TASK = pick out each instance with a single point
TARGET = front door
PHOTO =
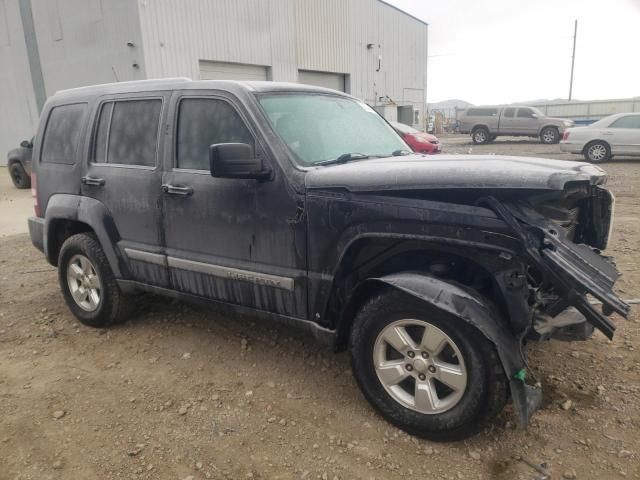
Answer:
(124, 173)
(525, 123)
(233, 240)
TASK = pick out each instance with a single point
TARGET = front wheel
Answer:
(549, 135)
(427, 373)
(88, 284)
(480, 136)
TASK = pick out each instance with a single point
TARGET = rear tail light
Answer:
(34, 195)
(565, 135)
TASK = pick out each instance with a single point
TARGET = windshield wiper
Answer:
(399, 153)
(344, 158)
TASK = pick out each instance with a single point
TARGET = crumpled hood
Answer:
(417, 172)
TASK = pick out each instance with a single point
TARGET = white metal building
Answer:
(367, 48)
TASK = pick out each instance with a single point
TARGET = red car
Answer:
(420, 142)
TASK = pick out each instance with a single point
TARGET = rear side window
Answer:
(509, 112)
(482, 112)
(62, 134)
(127, 132)
(203, 122)
(631, 121)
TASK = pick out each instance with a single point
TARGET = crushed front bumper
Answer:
(574, 270)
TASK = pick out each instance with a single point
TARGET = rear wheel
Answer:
(427, 373)
(19, 176)
(597, 152)
(480, 136)
(549, 135)
(88, 284)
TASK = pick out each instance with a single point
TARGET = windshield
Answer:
(319, 128)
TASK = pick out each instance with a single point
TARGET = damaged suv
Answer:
(302, 204)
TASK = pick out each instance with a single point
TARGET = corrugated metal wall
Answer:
(291, 35)
(19, 111)
(83, 42)
(590, 110)
(177, 35)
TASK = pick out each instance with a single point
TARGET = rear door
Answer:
(124, 173)
(507, 121)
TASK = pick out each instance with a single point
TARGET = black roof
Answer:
(184, 83)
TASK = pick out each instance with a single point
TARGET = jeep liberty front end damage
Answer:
(302, 204)
(571, 271)
(511, 247)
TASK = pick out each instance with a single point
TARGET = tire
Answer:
(597, 152)
(19, 176)
(480, 136)
(463, 412)
(550, 135)
(104, 303)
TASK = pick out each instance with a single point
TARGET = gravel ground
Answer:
(181, 392)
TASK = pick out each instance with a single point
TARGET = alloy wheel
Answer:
(548, 136)
(84, 283)
(420, 366)
(597, 152)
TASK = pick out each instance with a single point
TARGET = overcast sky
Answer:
(503, 51)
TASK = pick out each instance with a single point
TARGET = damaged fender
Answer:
(470, 307)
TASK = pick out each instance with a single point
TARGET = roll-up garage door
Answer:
(231, 71)
(336, 81)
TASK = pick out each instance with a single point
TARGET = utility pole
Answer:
(573, 57)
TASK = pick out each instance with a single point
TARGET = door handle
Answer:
(93, 181)
(174, 190)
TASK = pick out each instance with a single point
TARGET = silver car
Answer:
(617, 134)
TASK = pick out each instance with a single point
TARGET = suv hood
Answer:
(417, 172)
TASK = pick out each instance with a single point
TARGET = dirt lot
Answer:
(181, 392)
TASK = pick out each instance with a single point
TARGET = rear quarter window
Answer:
(482, 112)
(62, 134)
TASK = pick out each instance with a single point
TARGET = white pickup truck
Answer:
(486, 123)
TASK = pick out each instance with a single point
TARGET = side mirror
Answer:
(235, 160)
(26, 144)
(534, 115)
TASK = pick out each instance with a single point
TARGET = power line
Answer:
(573, 56)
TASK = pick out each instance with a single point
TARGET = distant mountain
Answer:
(448, 105)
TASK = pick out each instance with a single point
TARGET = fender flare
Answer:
(470, 307)
(480, 125)
(12, 160)
(91, 212)
(550, 125)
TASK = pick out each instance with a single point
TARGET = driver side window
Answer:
(203, 122)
